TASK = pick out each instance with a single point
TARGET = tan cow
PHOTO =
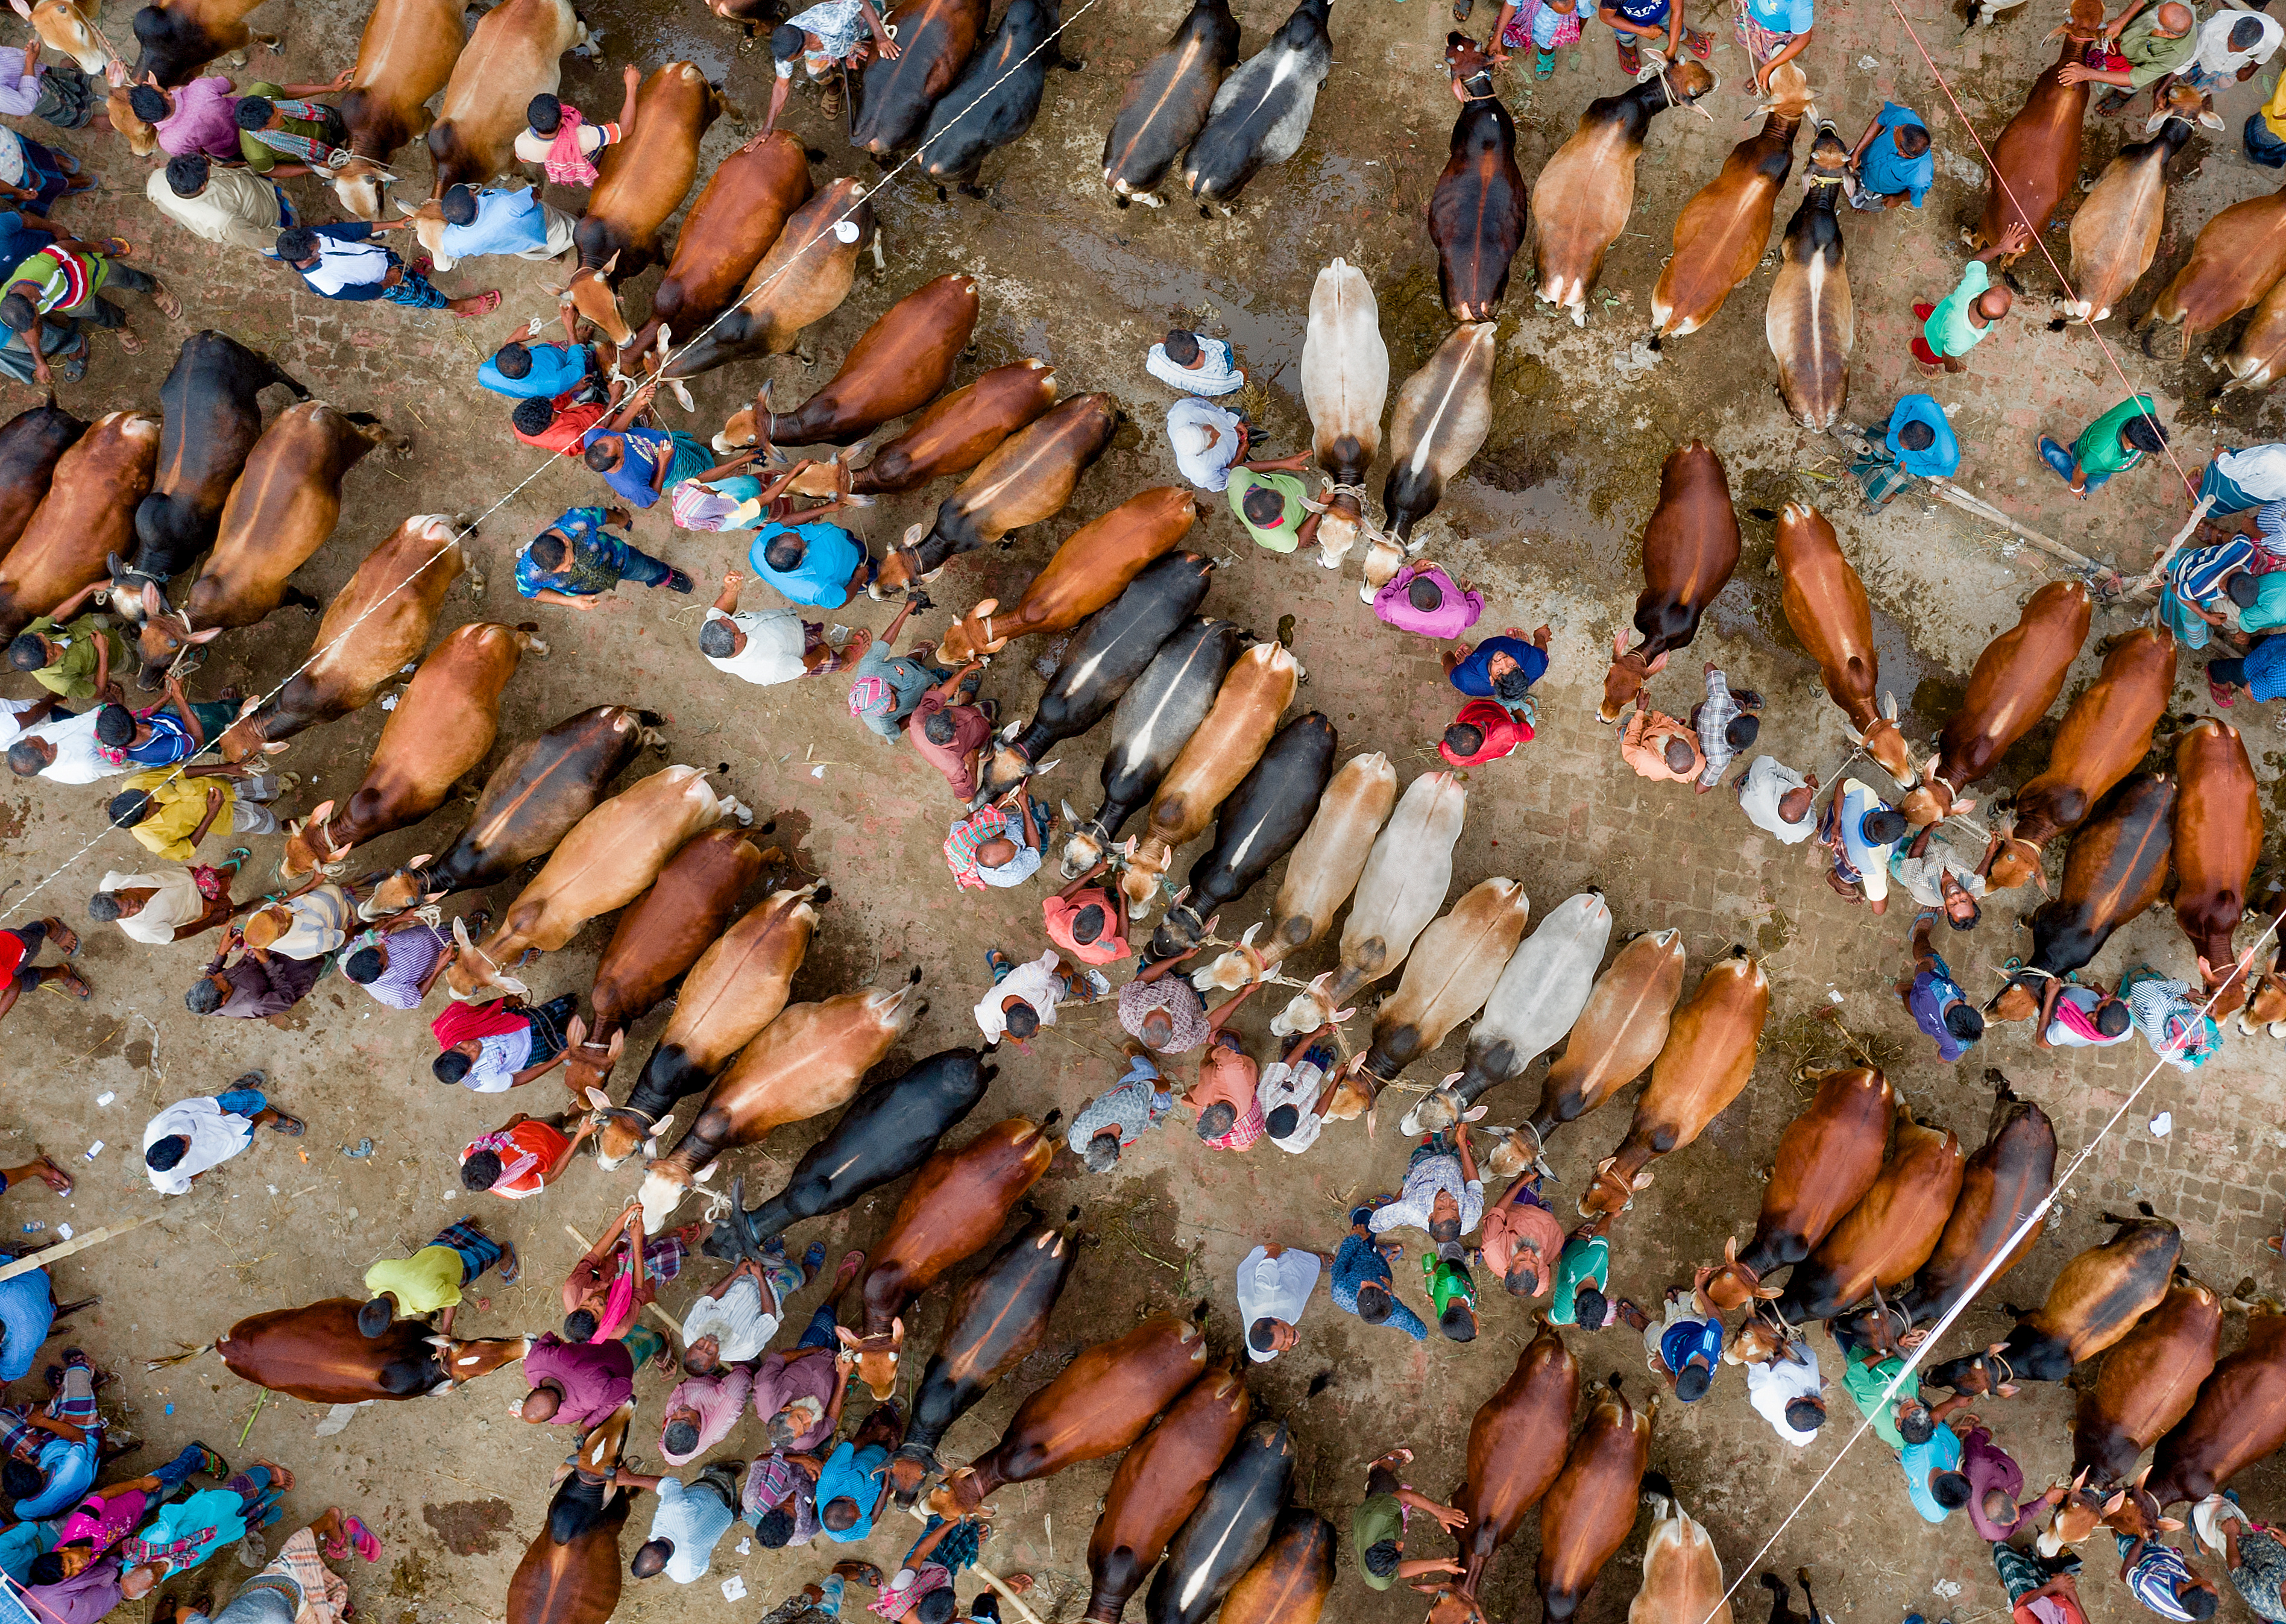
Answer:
(405, 58)
(515, 54)
(88, 515)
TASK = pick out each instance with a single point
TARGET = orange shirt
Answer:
(1227, 1078)
(534, 1142)
(1112, 945)
(1643, 745)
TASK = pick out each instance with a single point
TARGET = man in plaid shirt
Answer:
(1725, 724)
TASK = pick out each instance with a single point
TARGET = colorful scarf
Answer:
(294, 145)
(566, 164)
(515, 1161)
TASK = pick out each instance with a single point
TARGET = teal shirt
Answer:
(2267, 612)
(1942, 1452)
(1949, 331)
(2099, 449)
(1583, 1261)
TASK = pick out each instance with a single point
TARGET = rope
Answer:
(1992, 1265)
(471, 529)
(2001, 181)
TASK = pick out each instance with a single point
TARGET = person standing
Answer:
(66, 279)
(1160, 1009)
(735, 1319)
(2156, 1575)
(575, 1384)
(1377, 1526)
(1194, 364)
(62, 750)
(559, 136)
(689, 1522)
(1210, 446)
(232, 207)
(2074, 1015)
(1422, 598)
(21, 945)
(1362, 1283)
(521, 1157)
(429, 1281)
(2152, 44)
(1120, 1116)
(1786, 1391)
(1024, 997)
(484, 220)
(2180, 1031)
(1685, 1346)
(1274, 1283)
(1935, 1001)
(308, 924)
(1295, 1092)
(1994, 1482)
(1779, 800)
(1859, 828)
(277, 121)
(1726, 726)
(1483, 731)
(2252, 1554)
(1661, 748)
(1442, 1193)
(832, 40)
(1774, 31)
(260, 986)
(950, 737)
(2259, 674)
(1964, 318)
(491, 1048)
(59, 92)
(170, 811)
(768, 646)
(1522, 1239)
(1633, 21)
(1914, 442)
(854, 1482)
(1502, 668)
(887, 686)
(72, 655)
(342, 262)
(197, 116)
(397, 961)
(192, 1136)
(1229, 1114)
(2111, 445)
(1892, 165)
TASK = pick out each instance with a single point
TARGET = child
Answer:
(563, 140)
(1550, 25)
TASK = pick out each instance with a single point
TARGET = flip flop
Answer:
(64, 161)
(54, 1172)
(292, 1127)
(362, 1538)
(487, 302)
(511, 1267)
(2222, 696)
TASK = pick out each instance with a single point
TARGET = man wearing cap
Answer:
(309, 925)
(192, 1136)
(1209, 441)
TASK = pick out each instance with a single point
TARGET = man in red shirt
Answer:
(1087, 920)
(560, 425)
(1484, 732)
(521, 1157)
(19, 948)
(950, 736)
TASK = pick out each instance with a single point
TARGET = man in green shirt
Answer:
(276, 121)
(1963, 318)
(71, 658)
(1377, 1526)
(430, 1279)
(2156, 42)
(1272, 507)
(2111, 445)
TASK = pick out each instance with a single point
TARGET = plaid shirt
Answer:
(767, 1481)
(1715, 719)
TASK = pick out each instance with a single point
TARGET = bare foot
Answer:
(60, 1182)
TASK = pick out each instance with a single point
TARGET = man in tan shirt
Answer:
(234, 207)
(1659, 747)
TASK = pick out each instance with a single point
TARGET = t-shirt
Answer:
(1642, 13)
(566, 434)
(203, 120)
(79, 759)
(526, 1151)
(1784, 16)
(1187, 420)
(1687, 1336)
(215, 1136)
(1988, 1467)
(426, 1281)
(1502, 731)
(2215, 56)
(175, 901)
(1887, 172)
(1586, 1260)
(557, 369)
(595, 1377)
(641, 450)
(26, 1310)
(103, 1520)
(70, 1469)
(822, 578)
(856, 1474)
(1453, 612)
(1473, 675)
(506, 223)
(73, 676)
(1934, 992)
(1857, 803)
(1949, 331)
(1941, 1453)
(2100, 450)
(774, 643)
(1768, 782)
(1273, 1289)
(1034, 982)
(1774, 1383)
(532, 147)
(20, 1542)
(1283, 536)
(1866, 1383)
(694, 1519)
(1380, 1518)
(1941, 457)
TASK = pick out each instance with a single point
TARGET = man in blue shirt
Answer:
(644, 464)
(164, 734)
(1775, 31)
(1859, 828)
(856, 1481)
(1657, 21)
(1686, 1344)
(1502, 668)
(575, 560)
(523, 370)
(1938, 1005)
(1933, 1479)
(489, 220)
(62, 1469)
(1892, 163)
(812, 562)
(1913, 442)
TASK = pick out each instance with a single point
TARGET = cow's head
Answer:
(876, 1357)
(1630, 670)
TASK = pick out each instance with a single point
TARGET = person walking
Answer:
(341, 261)
(1964, 318)
(429, 1281)
(194, 1136)
(2111, 445)
(1362, 1283)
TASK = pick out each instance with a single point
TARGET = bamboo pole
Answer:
(77, 1243)
(2102, 574)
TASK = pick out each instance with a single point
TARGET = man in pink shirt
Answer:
(701, 1411)
(948, 736)
(798, 1394)
(1994, 1482)
(197, 117)
(576, 1384)
(1522, 1239)
(1422, 598)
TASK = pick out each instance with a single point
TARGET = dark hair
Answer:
(21, 1480)
(160, 1155)
(27, 652)
(459, 208)
(1088, 923)
(103, 907)
(774, 1530)
(1975, 912)
(1512, 685)
(1423, 594)
(253, 112)
(1964, 1023)
(680, 1437)
(533, 416)
(450, 1067)
(1589, 1308)
(1458, 1321)
(787, 41)
(1262, 1334)
(375, 1316)
(481, 1170)
(364, 966)
(147, 103)
(650, 1556)
(1263, 505)
(48, 1568)
(186, 175)
(785, 552)
(128, 809)
(1805, 1414)
(17, 315)
(937, 728)
(936, 1607)
(548, 550)
(2242, 589)
(1282, 1122)
(2144, 434)
(1915, 1426)
(1692, 1383)
(296, 243)
(203, 998)
(1374, 1302)
(838, 1513)
(1949, 1489)
(2245, 33)
(511, 359)
(1916, 436)
(544, 113)
(986, 1606)
(718, 639)
(2113, 1019)
(1182, 347)
(598, 454)
(1886, 827)
(1913, 140)
(1679, 754)
(1742, 732)
(2198, 1601)
(1445, 1230)
(1102, 1151)
(1464, 739)
(580, 1325)
(1216, 1120)
(1021, 1019)
(1380, 1558)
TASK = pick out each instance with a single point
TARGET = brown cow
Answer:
(2015, 680)
(2238, 1418)
(1159, 1484)
(2095, 1301)
(2007, 1179)
(1516, 1449)
(1622, 1029)
(442, 727)
(740, 211)
(2239, 256)
(1708, 1056)
(2104, 736)
(642, 178)
(2218, 836)
(1288, 1582)
(951, 1210)
(570, 1573)
(2266, 1007)
(393, 602)
(68, 29)
(1827, 1158)
(2149, 1380)
(88, 515)
(404, 57)
(1590, 1507)
(2114, 232)
(2115, 868)
(1690, 548)
(1722, 231)
(515, 54)
(2036, 161)
(285, 504)
(1682, 1572)
(802, 279)
(898, 365)
(960, 430)
(1092, 567)
(659, 937)
(1827, 607)
(1477, 210)
(180, 36)
(31, 443)
(318, 1353)
(1891, 1231)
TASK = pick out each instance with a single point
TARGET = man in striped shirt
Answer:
(66, 279)
(398, 961)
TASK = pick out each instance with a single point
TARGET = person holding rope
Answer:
(277, 119)
(561, 138)
(2149, 47)
(1773, 31)
(59, 92)
(1892, 163)
(832, 40)
(341, 261)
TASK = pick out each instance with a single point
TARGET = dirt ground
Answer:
(1544, 524)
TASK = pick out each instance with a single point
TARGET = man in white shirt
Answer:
(1024, 997)
(764, 646)
(1274, 1283)
(1788, 1391)
(17, 716)
(1779, 800)
(192, 1137)
(1194, 365)
(690, 1520)
(64, 751)
(2232, 45)
(164, 907)
(234, 207)
(1294, 1094)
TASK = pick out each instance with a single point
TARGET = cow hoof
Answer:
(534, 645)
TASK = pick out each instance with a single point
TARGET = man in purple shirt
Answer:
(1939, 1007)
(1994, 1482)
(261, 986)
(576, 1384)
(197, 117)
(84, 1598)
(401, 960)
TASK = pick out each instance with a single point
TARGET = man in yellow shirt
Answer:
(430, 1279)
(169, 809)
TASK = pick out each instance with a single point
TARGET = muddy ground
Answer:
(1544, 524)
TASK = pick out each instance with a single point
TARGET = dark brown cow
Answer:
(2011, 1174)
(31, 443)
(961, 430)
(1891, 1231)
(2239, 1418)
(2148, 1382)
(2095, 1301)
(1159, 1484)
(1827, 1158)
(1477, 212)
(87, 514)
(899, 365)
(318, 1353)
(2116, 867)
(1689, 550)
(570, 1573)
(1590, 1508)
(1719, 234)
(2218, 837)
(2036, 161)
(1825, 605)
(1516, 1449)
(2015, 680)
(740, 211)
(642, 178)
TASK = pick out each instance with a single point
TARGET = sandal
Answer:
(49, 1174)
(65, 937)
(64, 161)
(73, 983)
(511, 1266)
(292, 1127)
(362, 1538)
(2222, 696)
(130, 342)
(74, 367)
(280, 1479)
(487, 302)
(167, 304)
(116, 248)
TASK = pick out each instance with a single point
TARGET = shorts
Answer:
(1922, 353)
(67, 97)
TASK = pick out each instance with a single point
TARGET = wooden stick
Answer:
(1983, 510)
(77, 1243)
(2149, 584)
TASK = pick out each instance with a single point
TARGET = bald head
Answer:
(1994, 303)
(2174, 19)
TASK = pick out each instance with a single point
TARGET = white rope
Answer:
(1992, 1266)
(315, 654)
